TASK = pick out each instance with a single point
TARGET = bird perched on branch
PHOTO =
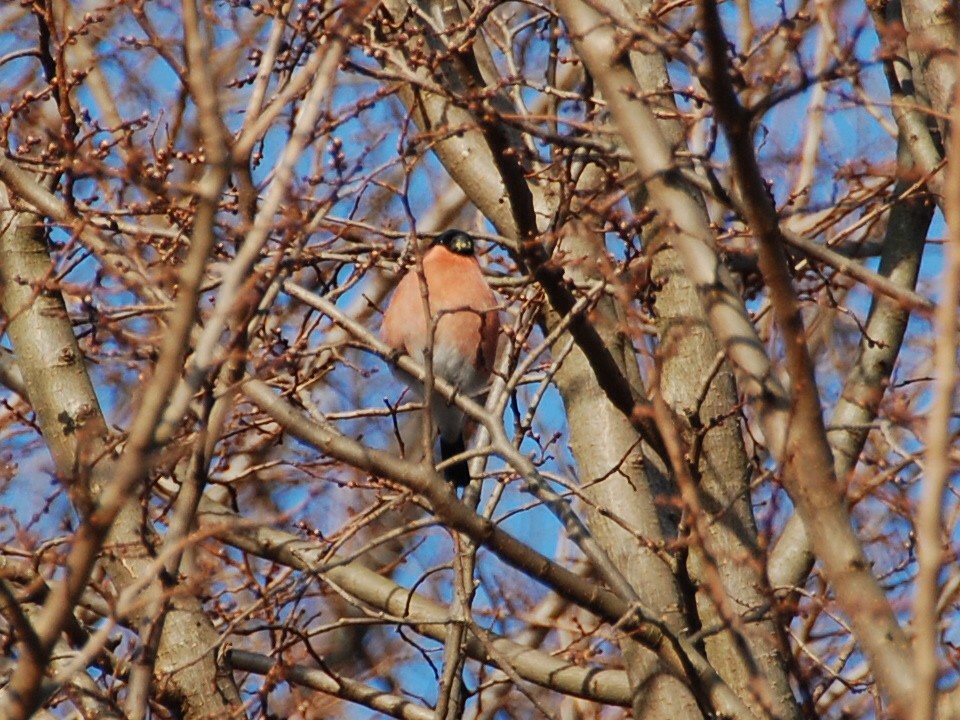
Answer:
(465, 339)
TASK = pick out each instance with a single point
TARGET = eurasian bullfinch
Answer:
(465, 340)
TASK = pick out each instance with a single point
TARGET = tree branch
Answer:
(678, 656)
(336, 685)
(427, 617)
(808, 461)
(938, 464)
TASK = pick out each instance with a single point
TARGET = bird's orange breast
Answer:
(468, 323)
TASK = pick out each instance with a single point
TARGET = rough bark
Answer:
(699, 387)
(619, 478)
(70, 418)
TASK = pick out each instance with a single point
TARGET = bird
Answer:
(466, 336)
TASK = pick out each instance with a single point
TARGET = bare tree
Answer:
(714, 473)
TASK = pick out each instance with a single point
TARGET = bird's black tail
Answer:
(458, 473)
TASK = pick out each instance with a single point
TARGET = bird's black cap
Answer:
(456, 241)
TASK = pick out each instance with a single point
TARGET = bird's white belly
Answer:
(449, 364)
